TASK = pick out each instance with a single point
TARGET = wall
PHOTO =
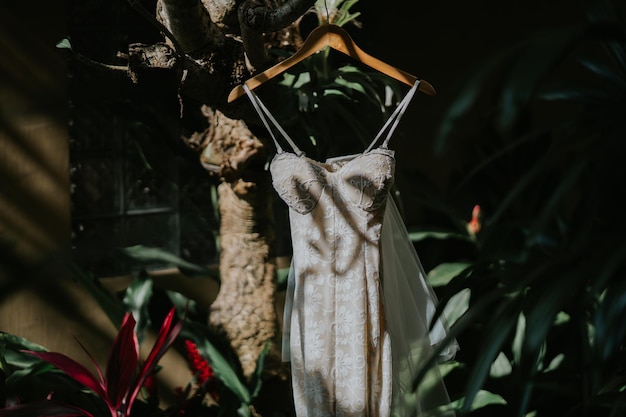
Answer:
(38, 300)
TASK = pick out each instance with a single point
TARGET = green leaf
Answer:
(501, 366)
(64, 44)
(604, 71)
(137, 299)
(16, 363)
(457, 306)
(482, 399)
(541, 318)
(244, 411)
(282, 275)
(420, 236)
(442, 274)
(16, 343)
(492, 342)
(518, 339)
(145, 255)
(555, 363)
(256, 380)
(610, 326)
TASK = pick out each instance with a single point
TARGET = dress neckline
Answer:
(340, 161)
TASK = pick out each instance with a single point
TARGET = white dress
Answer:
(337, 332)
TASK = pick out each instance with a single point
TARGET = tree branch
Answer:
(263, 19)
(255, 20)
(190, 24)
(162, 29)
(100, 65)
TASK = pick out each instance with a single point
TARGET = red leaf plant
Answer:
(124, 377)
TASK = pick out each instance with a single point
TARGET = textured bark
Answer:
(190, 24)
(244, 310)
(223, 14)
(256, 20)
(268, 19)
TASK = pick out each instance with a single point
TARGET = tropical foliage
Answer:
(119, 386)
(128, 386)
(543, 129)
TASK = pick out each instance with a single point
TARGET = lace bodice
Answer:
(363, 181)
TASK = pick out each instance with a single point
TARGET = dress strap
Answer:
(266, 118)
(394, 119)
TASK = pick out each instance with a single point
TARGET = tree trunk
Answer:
(244, 310)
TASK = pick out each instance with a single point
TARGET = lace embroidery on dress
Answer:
(300, 182)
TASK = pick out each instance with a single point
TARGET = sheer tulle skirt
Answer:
(410, 309)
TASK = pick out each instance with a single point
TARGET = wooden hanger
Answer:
(329, 35)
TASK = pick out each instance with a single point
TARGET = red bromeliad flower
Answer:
(197, 363)
(201, 369)
(474, 225)
(124, 377)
